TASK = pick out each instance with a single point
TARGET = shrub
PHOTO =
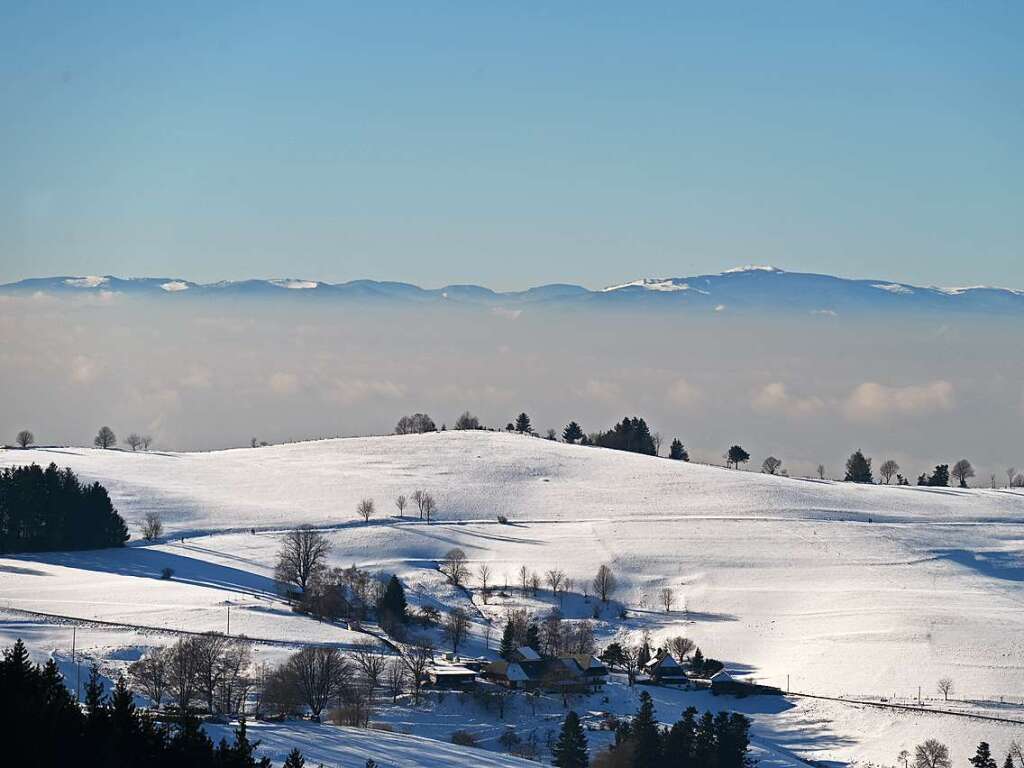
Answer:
(502, 519)
(167, 574)
(464, 739)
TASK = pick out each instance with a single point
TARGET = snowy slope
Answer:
(848, 590)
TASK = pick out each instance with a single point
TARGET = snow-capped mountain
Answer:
(760, 288)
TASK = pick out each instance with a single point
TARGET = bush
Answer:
(502, 520)
(167, 574)
(464, 739)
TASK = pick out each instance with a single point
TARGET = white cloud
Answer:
(872, 401)
(83, 369)
(601, 390)
(774, 398)
(683, 394)
(282, 383)
(349, 391)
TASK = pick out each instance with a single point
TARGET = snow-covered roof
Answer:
(721, 676)
(528, 653)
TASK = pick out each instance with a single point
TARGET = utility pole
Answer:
(787, 682)
(229, 621)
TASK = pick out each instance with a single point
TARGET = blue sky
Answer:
(512, 144)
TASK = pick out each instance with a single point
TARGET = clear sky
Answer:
(512, 144)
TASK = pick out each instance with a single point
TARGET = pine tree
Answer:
(678, 748)
(677, 451)
(393, 604)
(1008, 762)
(523, 424)
(508, 641)
(570, 751)
(572, 432)
(697, 662)
(646, 735)
(736, 456)
(983, 757)
(858, 468)
(940, 477)
(533, 637)
(295, 759)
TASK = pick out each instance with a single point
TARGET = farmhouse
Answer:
(527, 670)
(451, 676)
(663, 669)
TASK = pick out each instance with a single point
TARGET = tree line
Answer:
(51, 509)
(45, 726)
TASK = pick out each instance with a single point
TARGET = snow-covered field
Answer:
(864, 592)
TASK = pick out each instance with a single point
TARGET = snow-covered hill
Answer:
(751, 288)
(839, 589)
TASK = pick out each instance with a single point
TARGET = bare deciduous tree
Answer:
(401, 502)
(133, 441)
(656, 439)
(631, 662)
(524, 579)
(150, 675)
(455, 567)
(888, 470)
(962, 471)
(554, 579)
(301, 557)
(372, 662)
(484, 572)
(534, 583)
(667, 597)
(429, 506)
(394, 678)
(415, 424)
(821, 471)
(1011, 473)
(365, 509)
(467, 421)
(456, 627)
(932, 754)
(319, 675)
(945, 686)
(680, 647)
(152, 526)
(147, 441)
(182, 665)
(604, 583)
(104, 438)
(417, 659)
(771, 465)
(25, 438)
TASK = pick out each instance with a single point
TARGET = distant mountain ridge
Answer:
(748, 288)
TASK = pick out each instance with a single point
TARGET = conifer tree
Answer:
(393, 604)
(677, 451)
(572, 432)
(570, 751)
(533, 637)
(523, 424)
(858, 468)
(983, 757)
(646, 735)
(508, 641)
(295, 759)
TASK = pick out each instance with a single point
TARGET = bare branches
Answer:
(301, 557)
(455, 567)
(365, 509)
(604, 583)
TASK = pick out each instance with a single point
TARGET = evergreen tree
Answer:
(678, 748)
(630, 434)
(572, 432)
(295, 759)
(508, 641)
(677, 451)
(858, 468)
(533, 637)
(940, 477)
(983, 757)
(736, 456)
(697, 662)
(523, 424)
(1008, 762)
(393, 605)
(644, 656)
(646, 735)
(570, 751)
